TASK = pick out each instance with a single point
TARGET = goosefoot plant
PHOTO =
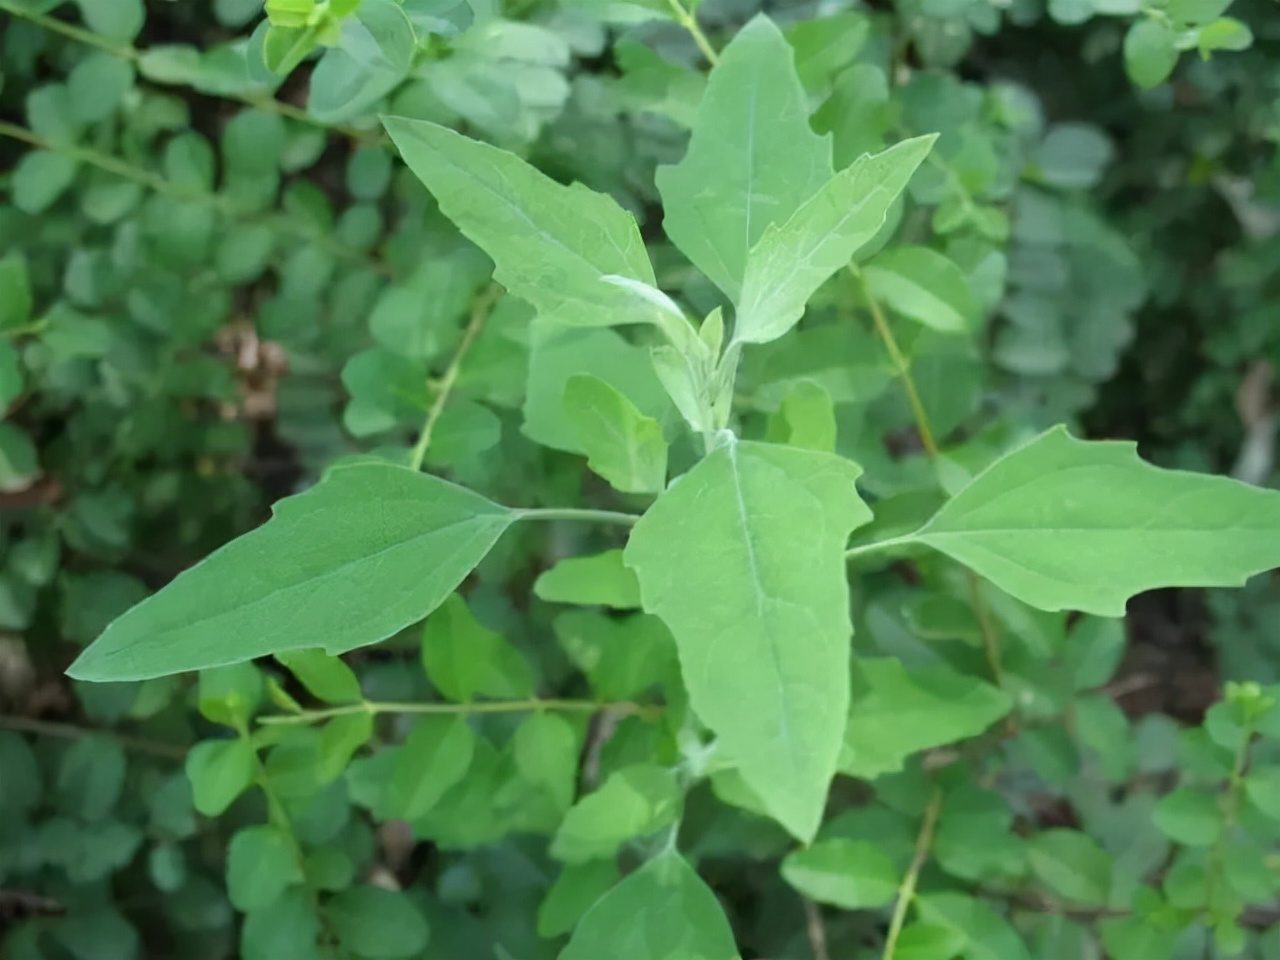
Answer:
(750, 561)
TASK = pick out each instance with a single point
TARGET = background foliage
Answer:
(218, 277)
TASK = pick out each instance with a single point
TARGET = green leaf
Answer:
(219, 771)
(1196, 12)
(1262, 786)
(805, 418)
(547, 750)
(261, 864)
(926, 941)
(752, 159)
(372, 58)
(923, 285)
(987, 935)
(436, 755)
(622, 656)
(1072, 865)
(1189, 816)
(760, 533)
(286, 929)
(230, 695)
(850, 874)
(376, 923)
(893, 714)
(575, 890)
(1073, 156)
(622, 444)
(663, 911)
(1225, 34)
(40, 178)
(368, 551)
(117, 19)
(794, 258)
(15, 292)
(633, 802)
(1066, 524)
(465, 659)
(1150, 52)
(91, 778)
(326, 678)
(600, 580)
(97, 84)
(552, 244)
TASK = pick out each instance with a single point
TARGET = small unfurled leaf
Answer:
(924, 285)
(893, 714)
(794, 258)
(742, 557)
(464, 659)
(622, 444)
(850, 874)
(326, 678)
(368, 551)
(552, 244)
(434, 758)
(634, 802)
(1066, 524)
(663, 911)
(752, 159)
(1150, 52)
(600, 580)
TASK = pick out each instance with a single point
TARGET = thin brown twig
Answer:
(816, 930)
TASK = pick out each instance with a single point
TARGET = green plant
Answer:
(618, 714)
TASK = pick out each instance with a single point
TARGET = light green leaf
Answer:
(326, 678)
(262, 863)
(219, 771)
(987, 935)
(805, 418)
(365, 553)
(600, 580)
(633, 802)
(465, 659)
(15, 292)
(757, 599)
(1196, 12)
(1224, 34)
(552, 244)
(663, 911)
(850, 874)
(285, 929)
(372, 58)
(230, 695)
(40, 178)
(376, 923)
(1072, 865)
(1150, 52)
(97, 84)
(793, 259)
(927, 941)
(894, 714)
(1189, 816)
(434, 757)
(752, 159)
(622, 444)
(1066, 524)
(622, 656)
(575, 890)
(923, 285)
(546, 750)
(117, 19)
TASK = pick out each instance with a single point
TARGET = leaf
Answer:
(372, 58)
(1150, 53)
(600, 580)
(326, 678)
(219, 771)
(742, 557)
(117, 19)
(806, 418)
(261, 864)
(465, 659)
(663, 911)
(1189, 816)
(547, 750)
(634, 802)
(622, 656)
(376, 923)
(1196, 12)
(1066, 524)
(97, 84)
(575, 890)
(1072, 865)
(793, 259)
(91, 778)
(368, 551)
(622, 444)
(552, 244)
(923, 285)
(850, 874)
(987, 935)
(925, 941)
(285, 929)
(752, 158)
(15, 292)
(1073, 156)
(40, 178)
(893, 714)
(436, 756)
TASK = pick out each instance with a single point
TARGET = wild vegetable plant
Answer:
(751, 550)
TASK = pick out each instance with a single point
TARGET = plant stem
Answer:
(67, 731)
(907, 889)
(901, 365)
(493, 706)
(574, 513)
(876, 546)
(816, 930)
(690, 23)
(479, 313)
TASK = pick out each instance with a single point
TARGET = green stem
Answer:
(907, 889)
(493, 706)
(573, 513)
(878, 545)
(690, 23)
(1230, 811)
(479, 313)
